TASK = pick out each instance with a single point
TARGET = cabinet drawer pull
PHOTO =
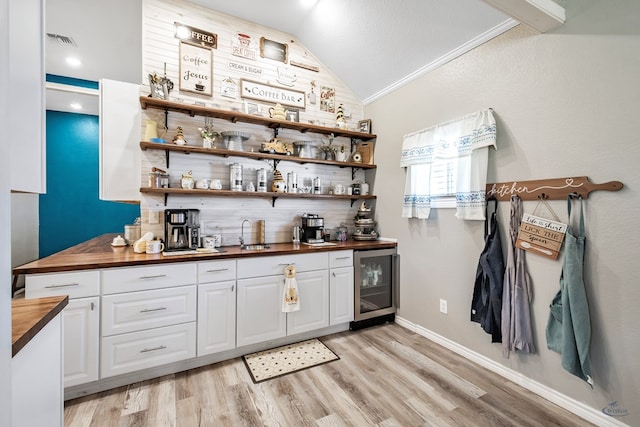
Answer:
(217, 270)
(344, 257)
(62, 286)
(287, 263)
(157, 276)
(147, 310)
(146, 350)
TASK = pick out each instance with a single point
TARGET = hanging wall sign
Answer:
(245, 68)
(195, 36)
(541, 236)
(244, 47)
(272, 94)
(196, 70)
(274, 50)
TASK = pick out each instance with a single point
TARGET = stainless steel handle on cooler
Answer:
(62, 286)
(146, 350)
(156, 276)
(396, 279)
(148, 310)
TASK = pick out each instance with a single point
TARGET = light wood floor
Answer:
(386, 376)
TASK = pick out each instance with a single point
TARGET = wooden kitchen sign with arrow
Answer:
(548, 189)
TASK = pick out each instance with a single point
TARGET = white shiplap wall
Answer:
(222, 214)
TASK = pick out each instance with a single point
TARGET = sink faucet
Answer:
(242, 232)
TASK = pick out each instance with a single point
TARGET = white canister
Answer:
(292, 182)
(364, 188)
(261, 177)
(235, 177)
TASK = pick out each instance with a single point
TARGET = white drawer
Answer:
(135, 351)
(274, 265)
(137, 311)
(157, 276)
(216, 271)
(341, 259)
(77, 284)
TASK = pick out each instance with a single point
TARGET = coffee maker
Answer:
(181, 229)
(312, 228)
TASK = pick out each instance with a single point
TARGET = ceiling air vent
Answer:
(64, 40)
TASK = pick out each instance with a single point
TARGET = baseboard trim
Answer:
(578, 408)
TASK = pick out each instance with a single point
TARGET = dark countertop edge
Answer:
(71, 259)
(30, 316)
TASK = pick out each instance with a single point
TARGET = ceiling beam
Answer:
(542, 15)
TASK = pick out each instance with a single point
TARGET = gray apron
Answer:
(517, 292)
(569, 326)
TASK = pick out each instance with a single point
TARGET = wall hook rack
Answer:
(548, 189)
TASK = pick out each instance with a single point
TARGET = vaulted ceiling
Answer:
(373, 46)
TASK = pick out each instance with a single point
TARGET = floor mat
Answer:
(267, 364)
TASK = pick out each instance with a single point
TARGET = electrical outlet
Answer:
(154, 217)
(443, 306)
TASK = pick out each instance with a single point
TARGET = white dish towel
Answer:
(290, 296)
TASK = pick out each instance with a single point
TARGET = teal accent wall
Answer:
(71, 211)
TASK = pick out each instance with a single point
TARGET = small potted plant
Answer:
(208, 135)
(328, 149)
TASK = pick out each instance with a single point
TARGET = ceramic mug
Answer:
(339, 189)
(155, 247)
(217, 240)
(216, 184)
(203, 184)
(209, 242)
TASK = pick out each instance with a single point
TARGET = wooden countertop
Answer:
(98, 253)
(29, 316)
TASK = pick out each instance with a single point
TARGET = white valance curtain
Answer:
(468, 139)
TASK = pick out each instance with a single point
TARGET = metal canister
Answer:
(261, 177)
(316, 186)
(292, 182)
(235, 177)
(155, 180)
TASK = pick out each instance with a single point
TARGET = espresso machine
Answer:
(312, 228)
(181, 229)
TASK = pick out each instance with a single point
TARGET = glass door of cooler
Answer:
(376, 276)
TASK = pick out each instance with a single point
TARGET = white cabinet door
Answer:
(27, 95)
(341, 295)
(313, 291)
(216, 317)
(120, 130)
(259, 310)
(81, 321)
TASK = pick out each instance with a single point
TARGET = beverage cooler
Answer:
(376, 281)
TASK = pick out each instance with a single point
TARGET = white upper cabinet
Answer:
(27, 96)
(120, 129)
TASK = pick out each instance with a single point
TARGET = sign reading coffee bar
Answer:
(272, 94)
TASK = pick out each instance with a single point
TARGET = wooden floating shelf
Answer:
(236, 116)
(187, 149)
(253, 194)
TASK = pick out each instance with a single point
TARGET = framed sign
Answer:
(196, 69)
(272, 94)
(364, 126)
(274, 50)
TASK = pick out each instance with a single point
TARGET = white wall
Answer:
(5, 228)
(566, 105)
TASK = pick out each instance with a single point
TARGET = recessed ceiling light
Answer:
(73, 62)
(76, 106)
